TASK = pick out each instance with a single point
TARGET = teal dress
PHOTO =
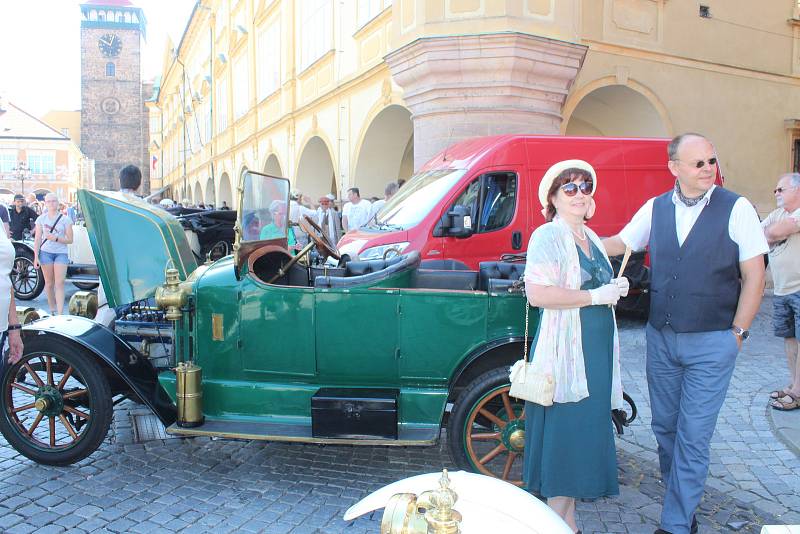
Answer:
(569, 447)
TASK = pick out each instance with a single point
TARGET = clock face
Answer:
(110, 45)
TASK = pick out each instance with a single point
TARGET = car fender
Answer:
(22, 245)
(511, 345)
(114, 354)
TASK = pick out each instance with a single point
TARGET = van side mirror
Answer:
(460, 221)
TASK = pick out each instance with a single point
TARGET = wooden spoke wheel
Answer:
(56, 403)
(486, 431)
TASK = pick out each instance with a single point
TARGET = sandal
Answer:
(780, 404)
(778, 394)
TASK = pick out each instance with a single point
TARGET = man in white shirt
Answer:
(782, 230)
(355, 213)
(707, 280)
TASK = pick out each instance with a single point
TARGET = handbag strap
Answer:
(525, 341)
(51, 230)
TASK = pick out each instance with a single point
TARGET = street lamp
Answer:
(22, 172)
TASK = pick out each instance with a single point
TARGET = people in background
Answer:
(388, 192)
(53, 234)
(355, 213)
(22, 218)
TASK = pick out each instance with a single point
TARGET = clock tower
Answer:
(113, 117)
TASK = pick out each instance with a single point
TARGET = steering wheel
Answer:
(322, 241)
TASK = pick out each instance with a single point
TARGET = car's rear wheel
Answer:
(27, 281)
(486, 429)
(56, 403)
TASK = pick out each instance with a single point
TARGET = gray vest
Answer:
(694, 287)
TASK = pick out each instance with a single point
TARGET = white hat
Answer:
(553, 172)
(166, 202)
(330, 196)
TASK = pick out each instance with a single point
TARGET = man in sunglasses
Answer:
(782, 229)
(707, 277)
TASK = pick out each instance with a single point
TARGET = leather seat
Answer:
(369, 272)
(497, 276)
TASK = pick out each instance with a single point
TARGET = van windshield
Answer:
(415, 200)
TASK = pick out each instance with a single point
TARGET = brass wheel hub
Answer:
(48, 401)
(513, 435)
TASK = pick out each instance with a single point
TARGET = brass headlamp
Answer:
(171, 297)
(402, 513)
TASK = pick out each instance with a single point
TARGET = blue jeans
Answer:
(47, 258)
(786, 315)
(688, 376)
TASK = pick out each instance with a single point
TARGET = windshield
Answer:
(415, 200)
(264, 204)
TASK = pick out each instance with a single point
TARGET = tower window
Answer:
(110, 69)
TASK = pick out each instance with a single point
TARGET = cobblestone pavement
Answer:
(204, 485)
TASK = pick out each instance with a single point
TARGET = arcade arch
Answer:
(386, 153)
(209, 198)
(225, 193)
(315, 174)
(272, 166)
(617, 111)
(197, 198)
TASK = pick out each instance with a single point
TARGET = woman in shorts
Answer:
(53, 234)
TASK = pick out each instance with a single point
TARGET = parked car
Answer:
(478, 200)
(259, 345)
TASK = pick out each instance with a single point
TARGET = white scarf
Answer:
(553, 261)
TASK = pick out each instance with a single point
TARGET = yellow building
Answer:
(37, 158)
(336, 94)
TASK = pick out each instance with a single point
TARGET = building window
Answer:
(796, 163)
(317, 31)
(65, 132)
(241, 86)
(42, 163)
(369, 9)
(269, 59)
(8, 161)
(222, 105)
(110, 69)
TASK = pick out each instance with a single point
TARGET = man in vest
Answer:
(707, 278)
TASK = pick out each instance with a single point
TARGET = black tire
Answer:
(86, 286)
(27, 282)
(80, 405)
(469, 431)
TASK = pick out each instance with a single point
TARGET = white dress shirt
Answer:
(744, 227)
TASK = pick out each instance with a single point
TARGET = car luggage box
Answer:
(354, 413)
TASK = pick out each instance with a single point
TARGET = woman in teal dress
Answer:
(569, 445)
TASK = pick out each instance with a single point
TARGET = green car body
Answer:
(265, 349)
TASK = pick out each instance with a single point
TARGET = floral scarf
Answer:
(553, 261)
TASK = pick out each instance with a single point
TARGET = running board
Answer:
(414, 436)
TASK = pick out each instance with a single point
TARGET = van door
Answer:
(496, 218)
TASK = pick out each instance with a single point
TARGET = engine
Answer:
(145, 328)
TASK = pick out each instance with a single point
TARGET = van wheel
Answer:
(56, 404)
(27, 281)
(486, 429)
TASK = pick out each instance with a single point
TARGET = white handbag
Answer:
(529, 380)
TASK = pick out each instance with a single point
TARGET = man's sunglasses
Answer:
(783, 190)
(702, 163)
(571, 189)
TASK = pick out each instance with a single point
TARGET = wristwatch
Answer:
(741, 332)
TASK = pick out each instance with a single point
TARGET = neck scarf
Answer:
(688, 202)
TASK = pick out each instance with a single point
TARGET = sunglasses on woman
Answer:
(571, 189)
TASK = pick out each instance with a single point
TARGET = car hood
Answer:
(133, 243)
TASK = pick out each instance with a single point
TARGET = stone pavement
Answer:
(204, 485)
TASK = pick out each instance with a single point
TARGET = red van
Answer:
(478, 200)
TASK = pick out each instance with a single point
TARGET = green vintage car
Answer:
(384, 352)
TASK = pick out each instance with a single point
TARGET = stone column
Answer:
(465, 86)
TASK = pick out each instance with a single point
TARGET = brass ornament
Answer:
(430, 513)
(170, 297)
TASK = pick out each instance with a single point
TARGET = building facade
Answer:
(359, 93)
(111, 88)
(36, 158)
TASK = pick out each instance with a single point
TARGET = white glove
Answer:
(607, 294)
(623, 284)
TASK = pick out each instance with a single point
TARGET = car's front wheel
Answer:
(27, 281)
(56, 403)
(486, 429)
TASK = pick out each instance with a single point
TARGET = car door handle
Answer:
(516, 240)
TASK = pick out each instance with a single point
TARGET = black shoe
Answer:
(692, 529)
